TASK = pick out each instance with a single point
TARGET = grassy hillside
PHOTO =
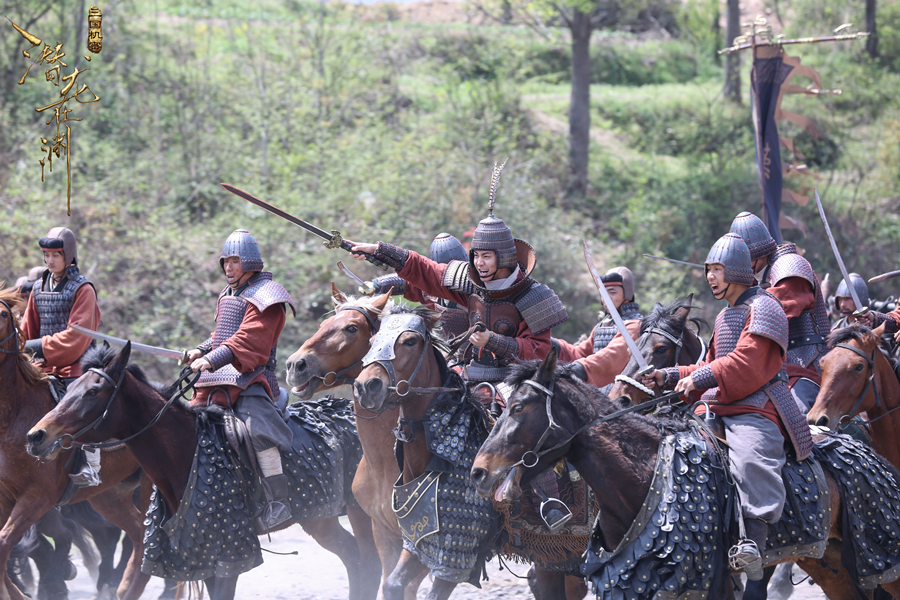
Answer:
(386, 129)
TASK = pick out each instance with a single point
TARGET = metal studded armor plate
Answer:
(606, 330)
(386, 282)
(262, 293)
(53, 308)
(456, 277)
(677, 546)
(454, 550)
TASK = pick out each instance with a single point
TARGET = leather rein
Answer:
(14, 334)
(870, 381)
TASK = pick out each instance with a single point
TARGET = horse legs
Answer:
(121, 512)
(441, 589)
(758, 590)
(53, 561)
(576, 588)
(837, 586)
(369, 562)
(22, 515)
(330, 535)
(408, 569)
(552, 584)
(221, 588)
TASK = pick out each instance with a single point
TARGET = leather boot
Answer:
(89, 474)
(278, 510)
(747, 553)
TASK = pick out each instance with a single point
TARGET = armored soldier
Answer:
(744, 382)
(789, 277)
(238, 362)
(495, 285)
(62, 297)
(603, 355)
(454, 318)
(843, 301)
(26, 283)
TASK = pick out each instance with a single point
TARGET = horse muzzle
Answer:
(39, 444)
(370, 394)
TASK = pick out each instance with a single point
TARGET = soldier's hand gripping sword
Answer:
(332, 240)
(614, 313)
(180, 355)
(860, 309)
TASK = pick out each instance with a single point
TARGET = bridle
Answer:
(870, 360)
(14, 334)
(679, 343)
(337, 376)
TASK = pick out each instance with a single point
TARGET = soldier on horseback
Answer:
(785, 274)
(238, 362)
(743, 381)
(495, 284)
(62, 297)
(843, 301)
(603, 355)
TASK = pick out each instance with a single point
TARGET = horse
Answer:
(665, 341)
(123, 411)
(857, 377)
(552, 414)
(417, 379)
(30, 488)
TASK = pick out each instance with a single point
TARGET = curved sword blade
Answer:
(860, 309)
(155, 350)
(353, 276)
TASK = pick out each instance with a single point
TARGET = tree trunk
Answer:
(872, 40)
(580, 105)
(732, 88)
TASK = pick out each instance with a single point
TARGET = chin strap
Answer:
(725, 291)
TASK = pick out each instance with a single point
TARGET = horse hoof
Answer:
(71, 571)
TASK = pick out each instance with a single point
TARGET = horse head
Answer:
(849, 372)
(85, 412)
(332, 356)
(517, 448)
(665, 341)
(393, 366)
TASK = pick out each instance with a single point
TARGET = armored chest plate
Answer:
(499, 316)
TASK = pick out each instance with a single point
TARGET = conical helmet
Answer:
(755, 234)
(243, 245)
(623, 276)
(61, 239)
(859, 284)
(731, 251)
(492, 233)
(445, 248)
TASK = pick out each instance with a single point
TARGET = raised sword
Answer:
(672, 260)
(180, 355)
(332, 240)
(365, 287)
(884, 276)
(860, 309)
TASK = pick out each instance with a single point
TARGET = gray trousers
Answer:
(757, 457)
(264, 420)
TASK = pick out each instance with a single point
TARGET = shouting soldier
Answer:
(238, 362)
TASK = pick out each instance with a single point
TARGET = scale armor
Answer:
(385, 282)
(767, 319)
(606, 329)
(808, 331)
(243, 245)
(859, 284)
(53, 308)
(262, 293)
(731, 251)
(754, 233)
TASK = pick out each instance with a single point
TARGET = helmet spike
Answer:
(495, 182)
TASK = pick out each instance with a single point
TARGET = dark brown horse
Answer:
(856, 377)
(617, 458)
(166, 457)
(29, 487)
(666, 340)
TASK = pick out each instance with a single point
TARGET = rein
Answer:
(679, 343)
(14, 334)
(870, 381)
(180, 392)
(336, 376)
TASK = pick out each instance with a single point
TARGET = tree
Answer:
(732, 88)
(872, 40)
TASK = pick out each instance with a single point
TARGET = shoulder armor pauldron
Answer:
(791, 264)
(456, 277)
(767, 319)
(541, 308)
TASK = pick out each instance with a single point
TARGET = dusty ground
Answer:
(314, 574)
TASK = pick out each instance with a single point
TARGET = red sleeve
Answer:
(426, 275)
(31, 325)
(66, 347)
(532, 346)
(795, 295)
(253, 342)
(414, 294)
(602, 366)
(571, 352)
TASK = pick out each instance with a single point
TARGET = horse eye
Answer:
(859, 368)
(351, 328)
(4, 314)
(409, 342)
(517, 408)
(660, 350)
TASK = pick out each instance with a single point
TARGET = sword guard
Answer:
(336, 240)
(859, 313)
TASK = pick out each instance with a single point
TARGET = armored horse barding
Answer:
(208, 532)
(28, 489)
(665, 519)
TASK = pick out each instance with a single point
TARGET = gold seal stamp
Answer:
(95, 34)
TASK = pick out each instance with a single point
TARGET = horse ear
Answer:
(657, 305)
(547, 369)
(105, 345)
(432, 319)
(337, 296)
(681, 313)
(381, 301)
(120, 361)
(879, 331)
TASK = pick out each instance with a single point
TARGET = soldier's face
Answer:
(486, 264)
(715, 277)
(616, 294)
(55, 261)
(233, 271)
(845, 305)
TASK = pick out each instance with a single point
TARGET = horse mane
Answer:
(426, 314)
(30, 372)
(854, 331)
(663, 313)
(100, 357)
(366, 302)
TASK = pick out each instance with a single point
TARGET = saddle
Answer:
(238, 437)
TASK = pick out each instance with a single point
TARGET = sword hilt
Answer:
(337, 241)
(859, 313)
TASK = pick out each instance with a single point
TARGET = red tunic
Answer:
(602, 366)
(63, 350)
(252, 345)
(796, 296)
(427, 274)
(749, 367)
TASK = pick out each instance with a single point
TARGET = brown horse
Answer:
(666, 340)
(31, 488)
(856, 377)
(167, 455)
(623, 450)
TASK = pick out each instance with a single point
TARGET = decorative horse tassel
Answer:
(495, 182)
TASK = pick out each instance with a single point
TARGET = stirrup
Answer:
(745, 556)
(86, 477)
(559, 523)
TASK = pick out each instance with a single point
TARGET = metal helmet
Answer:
(755, 233)
(61, 239)
(493, 234)
(445, 248)
(731, 251)
(622, 276)
(859, 284)
(243, 245)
